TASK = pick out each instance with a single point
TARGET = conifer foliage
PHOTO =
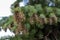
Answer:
(37, 20)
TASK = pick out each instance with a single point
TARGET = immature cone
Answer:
(31, 20)
(43, 19)
(53, 18)
(18, 14)
(22, 16)
(36, 18)
(19, 18)
(21, 29)
(50, 21)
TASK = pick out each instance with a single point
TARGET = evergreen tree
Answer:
(41, 19)
(38, 20)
